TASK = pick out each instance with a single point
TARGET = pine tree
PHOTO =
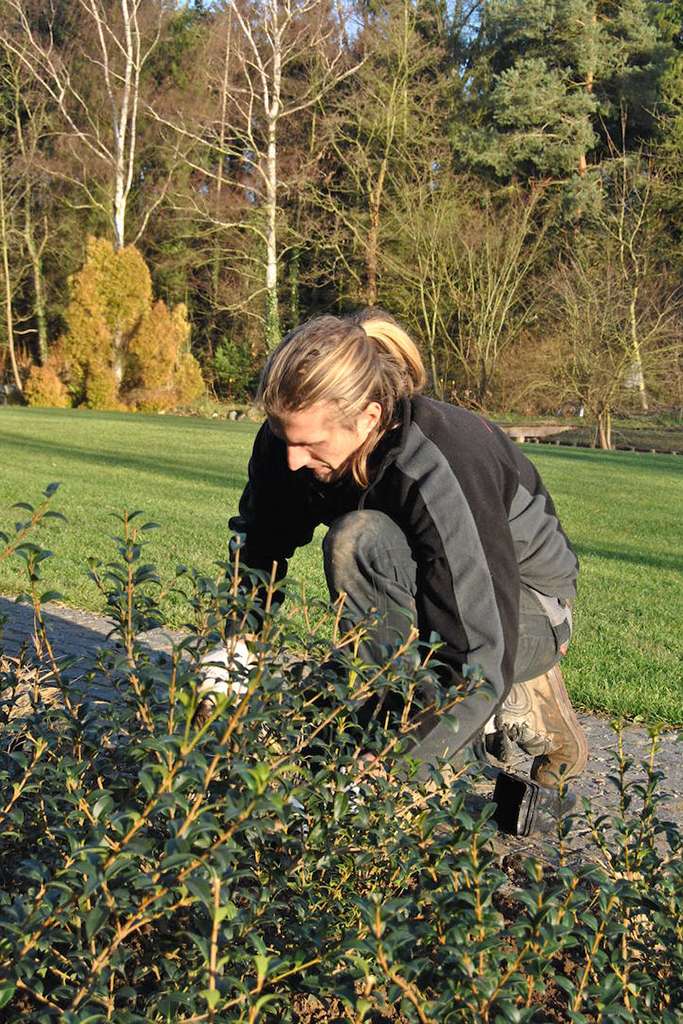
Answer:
(669, 148)
(556, 83)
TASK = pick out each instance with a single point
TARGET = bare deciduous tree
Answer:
(8, 206)
(422, 223)
(594, 314)
(378, 136)
(25, 129)
(266, 65)
(114, 43)
(628, 209)
(468, 262)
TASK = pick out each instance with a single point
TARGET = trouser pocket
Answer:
(563, 634)
(541, 641)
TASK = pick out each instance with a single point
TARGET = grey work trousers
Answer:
(367, 557)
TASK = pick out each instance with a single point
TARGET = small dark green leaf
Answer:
(147, 781)
(102, 806)
(341, 805)
(51, 488)
(94, 921)
(51, 595)
(257, 778)
(200, 889)
(6, 993)
(55, 515)
(261, 963)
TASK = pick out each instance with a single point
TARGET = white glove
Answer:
(225, 669)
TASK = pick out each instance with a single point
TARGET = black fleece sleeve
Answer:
(275, 516)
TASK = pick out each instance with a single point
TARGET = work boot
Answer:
(538, 716)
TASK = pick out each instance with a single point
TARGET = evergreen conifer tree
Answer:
(555, 84)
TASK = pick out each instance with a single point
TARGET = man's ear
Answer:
(369, 418)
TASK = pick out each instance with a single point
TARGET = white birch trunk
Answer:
(37, 271)
(272, 316)
(7, 280)
(271, 191)
(638, 374)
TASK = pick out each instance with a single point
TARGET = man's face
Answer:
(317, 441)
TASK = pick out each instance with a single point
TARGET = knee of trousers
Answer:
(359, 541)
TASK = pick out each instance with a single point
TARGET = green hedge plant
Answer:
(257, 868)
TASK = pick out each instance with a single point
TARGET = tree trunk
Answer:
(372, 248)
(4, 242)
(217, 256)
(437, 385)
(590, 82)
(37, 271)
(125, 120)
(635, 346)
(294, 303)
(483, 380)
(604, 424)
(272, 313)
(371, 259)
(272, 106)
(119, 216)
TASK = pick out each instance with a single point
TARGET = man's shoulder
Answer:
(443, 421)
(471, 445)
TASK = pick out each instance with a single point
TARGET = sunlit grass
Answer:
(622, 511)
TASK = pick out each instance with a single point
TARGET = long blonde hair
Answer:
(348, 363)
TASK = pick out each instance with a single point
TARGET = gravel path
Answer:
(77, 633)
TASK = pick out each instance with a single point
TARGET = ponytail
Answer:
(390, 336)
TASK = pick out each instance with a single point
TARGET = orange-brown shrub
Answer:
(101, 387)
(189, 381)
(44, 389)
(121, 349)
(161, 371)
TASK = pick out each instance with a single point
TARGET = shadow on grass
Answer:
(628, 555)
(152, 464)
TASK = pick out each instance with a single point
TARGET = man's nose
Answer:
(297, 458)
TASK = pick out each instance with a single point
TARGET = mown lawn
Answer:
(622, 510)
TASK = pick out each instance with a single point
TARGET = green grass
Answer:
(622, 510)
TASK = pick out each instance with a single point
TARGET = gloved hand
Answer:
(224, 670)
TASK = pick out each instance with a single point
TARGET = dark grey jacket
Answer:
(474, 510)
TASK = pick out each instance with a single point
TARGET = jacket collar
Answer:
(391, 444)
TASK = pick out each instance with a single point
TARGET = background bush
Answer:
(254, 868)
(45, 390)
(121, 350)
(235, 371)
